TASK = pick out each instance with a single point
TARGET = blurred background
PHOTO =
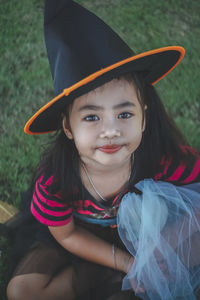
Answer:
(26, 83)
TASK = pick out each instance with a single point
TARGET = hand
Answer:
(140, 289)
(137, 288)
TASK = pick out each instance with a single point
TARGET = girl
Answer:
(112, 132)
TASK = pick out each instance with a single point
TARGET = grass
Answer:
(26, 84)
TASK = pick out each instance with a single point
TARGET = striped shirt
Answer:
(51, 210)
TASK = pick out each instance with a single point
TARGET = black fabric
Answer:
(25, 232)
(79, 44)
(32, 242)
(87, 278)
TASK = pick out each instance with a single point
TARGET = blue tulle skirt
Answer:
(161, 229)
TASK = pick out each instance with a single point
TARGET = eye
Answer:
(125, 115)
(91, 118)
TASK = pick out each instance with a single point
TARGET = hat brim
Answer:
(155, 64)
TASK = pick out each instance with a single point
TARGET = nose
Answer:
(110, 130)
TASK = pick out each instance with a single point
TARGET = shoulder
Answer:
(48, 207)
(47, 184)
(184, 172)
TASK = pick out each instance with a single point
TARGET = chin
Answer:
(111, 161)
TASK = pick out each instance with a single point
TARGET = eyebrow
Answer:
(98, 108)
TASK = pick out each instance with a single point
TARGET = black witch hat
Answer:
(84, 53)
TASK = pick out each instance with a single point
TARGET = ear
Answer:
(144, 121)
(66, 128)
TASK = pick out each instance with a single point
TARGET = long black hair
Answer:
(161, 140)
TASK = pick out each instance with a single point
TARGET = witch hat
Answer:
(84, 53)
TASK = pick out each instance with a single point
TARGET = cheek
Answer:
(135, 129)
(83, 140)
(136, 140)
(134, 134)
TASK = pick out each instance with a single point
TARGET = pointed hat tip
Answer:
(52, 7)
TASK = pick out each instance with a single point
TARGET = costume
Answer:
(52, 210)
(160, 203)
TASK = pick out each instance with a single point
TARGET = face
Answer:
(106, 124)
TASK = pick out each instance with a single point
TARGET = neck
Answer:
(104, 183)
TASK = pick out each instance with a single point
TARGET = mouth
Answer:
(109, 149)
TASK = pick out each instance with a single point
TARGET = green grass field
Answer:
(26, 84)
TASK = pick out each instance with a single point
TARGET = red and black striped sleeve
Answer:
(181, 173)
(47, 208)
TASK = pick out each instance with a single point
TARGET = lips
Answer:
(109, 149)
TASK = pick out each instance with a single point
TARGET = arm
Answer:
(88, 246)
